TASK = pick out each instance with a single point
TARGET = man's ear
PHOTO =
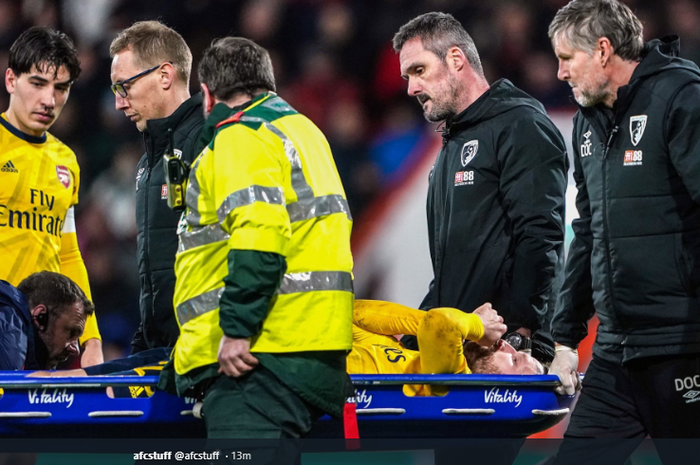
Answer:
(456, 58)
(40, 315)
(606, 50)
(10, 80)
(207, 99)
(167, 75)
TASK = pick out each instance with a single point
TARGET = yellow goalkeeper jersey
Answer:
(39, 181)
(441, 333)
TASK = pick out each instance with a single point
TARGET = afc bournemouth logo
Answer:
(469, 151)
(586, 146)
(637, 126)
(63, 175)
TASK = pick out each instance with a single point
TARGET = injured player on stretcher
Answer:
(450, 341)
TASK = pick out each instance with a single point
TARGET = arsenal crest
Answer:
(63, 175)
(637, 126)
(469, 151)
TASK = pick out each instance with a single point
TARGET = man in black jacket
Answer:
(40, 321)
(496, 195)
(151, 66)
(635, 258)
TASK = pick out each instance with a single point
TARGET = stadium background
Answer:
(334, 62)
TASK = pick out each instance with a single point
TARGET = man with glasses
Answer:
(150, 75)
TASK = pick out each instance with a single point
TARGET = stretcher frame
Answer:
(476, 406)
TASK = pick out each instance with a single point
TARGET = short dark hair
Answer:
(234, 65)
(583, 22)
(46, 49)
(55, 291)
(438, 32)
(153, 43)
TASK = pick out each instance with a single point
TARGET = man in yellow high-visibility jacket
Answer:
(264, 286)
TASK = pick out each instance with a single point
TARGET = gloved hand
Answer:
(564, 366)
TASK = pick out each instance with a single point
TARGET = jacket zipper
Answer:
(147, 232)
(606, 229)
(440, 248)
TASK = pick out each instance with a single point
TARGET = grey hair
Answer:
(583, 22)
(438, 32)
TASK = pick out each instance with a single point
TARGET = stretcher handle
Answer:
(13, 381)
(458, 380)
(76, 382)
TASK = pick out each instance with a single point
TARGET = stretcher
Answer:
(475, 406)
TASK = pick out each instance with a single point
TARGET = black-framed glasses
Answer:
(118, 87)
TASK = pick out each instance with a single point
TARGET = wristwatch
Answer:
(518, 341)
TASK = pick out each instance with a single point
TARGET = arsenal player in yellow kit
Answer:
(450, 340)
(39, 175)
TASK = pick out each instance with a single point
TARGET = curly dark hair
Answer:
(45, 48)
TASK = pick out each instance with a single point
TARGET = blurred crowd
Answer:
(333, 62)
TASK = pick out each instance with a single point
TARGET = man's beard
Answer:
(47, 356)
(444, 102)
(592, 98)
(479, 358)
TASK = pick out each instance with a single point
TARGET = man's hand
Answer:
(564, 365)
(92, 353)
(234, 357)
(493, 325)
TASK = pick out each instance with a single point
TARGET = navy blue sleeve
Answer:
(13, 341)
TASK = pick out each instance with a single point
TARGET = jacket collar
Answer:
(222, 112)
(500, 98)
(156, 133)
(22, 135)
(658, 56)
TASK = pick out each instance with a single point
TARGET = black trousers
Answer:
(620, 405)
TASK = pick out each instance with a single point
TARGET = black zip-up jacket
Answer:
(635, 258)
(17, 333)
(157, 223)
(496, 209)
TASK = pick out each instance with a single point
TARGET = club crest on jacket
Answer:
(637, 126)
(469, 150)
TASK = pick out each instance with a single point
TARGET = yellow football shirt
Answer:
(441, 337)
(39, 181)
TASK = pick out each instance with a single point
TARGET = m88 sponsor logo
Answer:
(464, 178)
(633, 158)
